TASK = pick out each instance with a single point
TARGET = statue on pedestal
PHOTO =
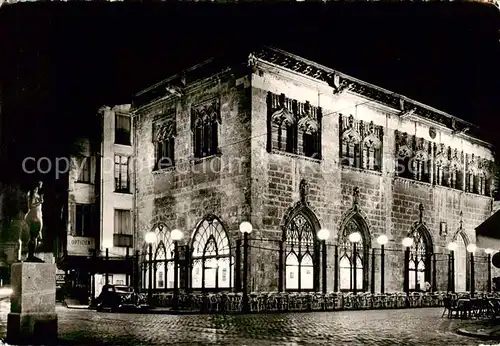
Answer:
(34, 221)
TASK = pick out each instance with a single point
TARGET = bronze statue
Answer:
(34, 221)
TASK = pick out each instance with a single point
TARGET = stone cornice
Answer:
(343, 83)
(338, 81)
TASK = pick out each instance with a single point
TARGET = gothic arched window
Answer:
(164, 132)
(212, 261)
(301, 250)
(205, 120)
(350, 265)
(162, 260)
(419, 262)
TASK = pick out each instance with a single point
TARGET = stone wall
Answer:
(181, 196)
(388, 204)
(247, 182)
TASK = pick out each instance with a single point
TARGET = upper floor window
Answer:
(84, 173)
(122, 180)
(123, 232)
(413, 156)
(83, 220)
(448, 167)
(122, 129)
(455, 171)
(164, 131)
(360, 144)
(293, 126)
(477, 176)
(205, 121)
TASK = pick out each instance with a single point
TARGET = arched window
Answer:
(348, 265)
(212, 261)
(419, 265)
(460, 263)
(301, 250)
(163, 260)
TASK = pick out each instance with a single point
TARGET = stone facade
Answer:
(255, 178)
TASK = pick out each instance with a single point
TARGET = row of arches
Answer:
(212, 258)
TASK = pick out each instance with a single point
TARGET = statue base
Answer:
(31, 328)
(32, 319)
(47, 257)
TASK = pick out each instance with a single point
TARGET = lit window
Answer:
(213, 264)
(300, 246)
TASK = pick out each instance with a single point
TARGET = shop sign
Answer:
(80, 246)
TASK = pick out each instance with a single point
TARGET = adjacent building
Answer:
(294, 147)
(99, 240)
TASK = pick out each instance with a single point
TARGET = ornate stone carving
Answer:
(441, 157)
(372, 135)
(455, 159)
(307, 118)
(472, 164)
(205, 112)
(282, 109)
(353, 131)
(406, 110)
(251, 60)
(342, 83)
(349, 129)
(304, 191)
(432, 132)
(355, 200)
(403, 145)
(421, 213)
(164, 128)
(421, 149)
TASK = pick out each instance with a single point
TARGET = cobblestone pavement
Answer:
(376, 327)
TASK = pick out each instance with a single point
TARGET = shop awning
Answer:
(98, 264)
(488, 233)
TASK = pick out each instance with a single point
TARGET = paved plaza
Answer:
(373, 327)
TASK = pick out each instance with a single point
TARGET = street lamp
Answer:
(176, 235)
(323, 235)
(489, 252)
(107, 243)
(355, 238)
(472, 248)
(245, 228)
(150, 239)
(407, 243)
(452, 246)
(382, 240)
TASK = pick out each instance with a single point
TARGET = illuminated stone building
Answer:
(294, 147)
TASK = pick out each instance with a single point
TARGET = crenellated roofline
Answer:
(339, 81)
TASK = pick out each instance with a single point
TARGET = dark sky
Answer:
(61, 62)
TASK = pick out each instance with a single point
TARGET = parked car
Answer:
(117, 297)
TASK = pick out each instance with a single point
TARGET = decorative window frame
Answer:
(206, 114)
(364, 139)
(297, 120)
(164, 128)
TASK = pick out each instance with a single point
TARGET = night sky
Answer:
(61, 62)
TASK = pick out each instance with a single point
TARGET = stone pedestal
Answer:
(47, 257)
(32, 318)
